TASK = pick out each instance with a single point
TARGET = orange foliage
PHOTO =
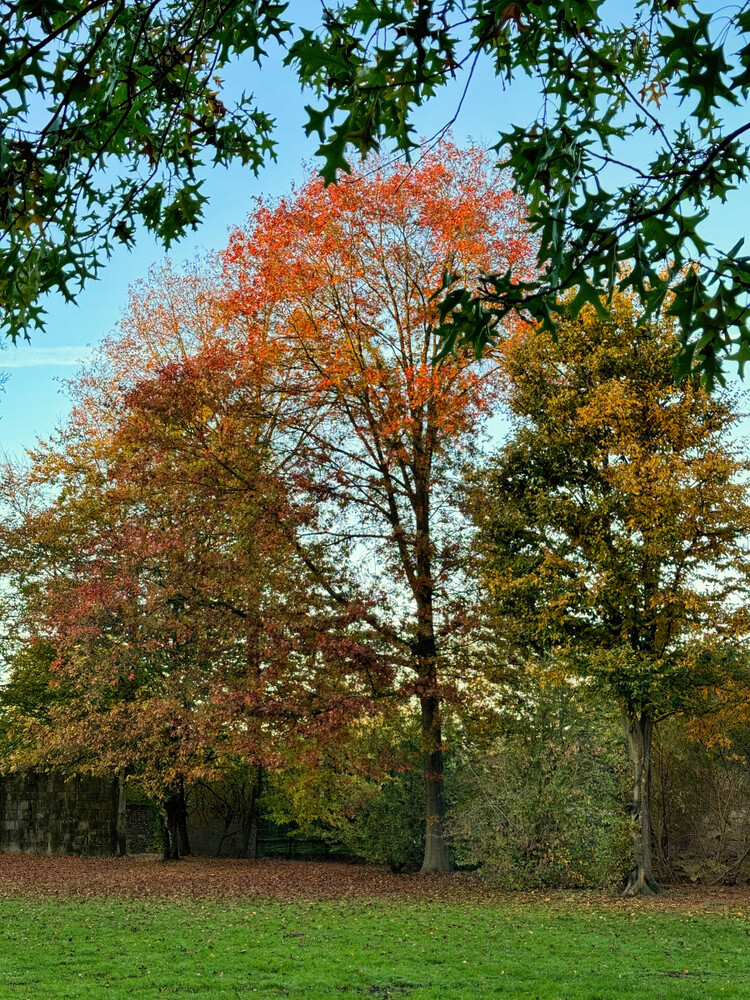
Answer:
(348, 280)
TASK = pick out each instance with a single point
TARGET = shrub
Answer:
(389, 828)
(701, 800)
(541, 805)
(365, 798)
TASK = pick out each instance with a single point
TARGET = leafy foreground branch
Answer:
(109, 108)
(610, 176)
(106, 111)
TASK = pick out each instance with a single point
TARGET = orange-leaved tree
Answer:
(349, 279)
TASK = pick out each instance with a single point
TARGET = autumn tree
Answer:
(225, 424)
(350, 279)
(612, 526)
(123, 677)
(192, 631)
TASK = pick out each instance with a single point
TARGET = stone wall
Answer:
(49, 814)
(46, 814)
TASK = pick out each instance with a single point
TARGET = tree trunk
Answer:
(436, 854)
(639, 731)
(122, 816)
(250, 828)
(171, 824)
(437, 857)
(182, 820)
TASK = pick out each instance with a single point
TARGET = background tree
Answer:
(124, 676)
(363, 796)
(347, 277)
(613, 523)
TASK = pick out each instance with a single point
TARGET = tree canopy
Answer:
(107, 110)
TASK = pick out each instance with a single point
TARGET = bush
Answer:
(389, 828)
(365, 798)
(701, 806)
(541, 806)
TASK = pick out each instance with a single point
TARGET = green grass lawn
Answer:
(55, 950)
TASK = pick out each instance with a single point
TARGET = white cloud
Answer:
(27, 355)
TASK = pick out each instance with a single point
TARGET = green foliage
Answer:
(389, 828)
(604, 84)
(30, 692)
(316, 792)
(106, 111)
(365, 797)
(28, 688)
(541, 805)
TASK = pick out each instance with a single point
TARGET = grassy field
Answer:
(61, 949)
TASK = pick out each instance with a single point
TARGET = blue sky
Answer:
(34, 400)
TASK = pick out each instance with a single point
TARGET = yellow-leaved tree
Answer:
(611, 526)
